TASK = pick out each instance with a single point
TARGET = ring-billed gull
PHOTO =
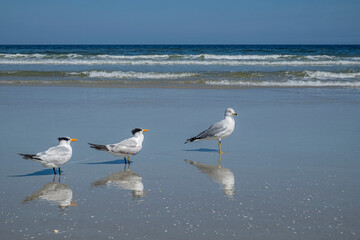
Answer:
(125, 148)
(218, 130)
(54, 157)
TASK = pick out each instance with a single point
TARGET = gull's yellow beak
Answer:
(235, 114)
(73, 140)
(145, 130)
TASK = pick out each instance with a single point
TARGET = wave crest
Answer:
(289, 83)
(135, 75)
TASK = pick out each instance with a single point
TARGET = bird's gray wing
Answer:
(126, 146)
(54, 154)
(128, 143)
(213, 130)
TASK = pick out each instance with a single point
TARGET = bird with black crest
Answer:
(126, 148)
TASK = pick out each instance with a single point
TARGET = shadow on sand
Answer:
(117, 161)
(38, 173)
(201, 150)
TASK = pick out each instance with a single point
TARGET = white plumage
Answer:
(54, 157)
(126, 148)
(218, 130)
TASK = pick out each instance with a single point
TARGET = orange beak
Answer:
(145, 130)
(73, 140)
(73, 203)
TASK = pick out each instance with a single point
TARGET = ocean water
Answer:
(184, 66)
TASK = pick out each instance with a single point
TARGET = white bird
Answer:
(54, 157)
(126, 148)
(218, 130)
(58, 193)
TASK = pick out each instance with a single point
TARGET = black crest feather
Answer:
(135, 130)
(64, 138)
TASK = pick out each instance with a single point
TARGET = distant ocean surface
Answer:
(185, 66)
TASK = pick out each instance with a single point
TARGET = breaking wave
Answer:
(289, 83)
(136, 75)
(176, 59)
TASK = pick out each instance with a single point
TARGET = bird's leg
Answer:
(59, 171)
(129, 161)
(219, 144)
(125, 160)
(54, 170)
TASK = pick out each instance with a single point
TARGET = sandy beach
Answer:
(290, 170)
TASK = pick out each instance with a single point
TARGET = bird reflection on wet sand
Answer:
(127, 180)
(218, 174)
(55, 193)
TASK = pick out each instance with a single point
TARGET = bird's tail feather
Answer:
(98, 147)
(29, 156)
(191, 139)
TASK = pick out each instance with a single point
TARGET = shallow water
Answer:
(290, 170)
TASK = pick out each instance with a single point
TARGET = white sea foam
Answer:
(133, 57)
(134, 75)
(39, 56)
(197, 56)
(330, 75)
(21, 55)
(289, 83)
(265, 57)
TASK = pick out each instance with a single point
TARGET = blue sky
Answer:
(180, 22)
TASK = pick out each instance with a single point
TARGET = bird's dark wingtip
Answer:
(191, 139)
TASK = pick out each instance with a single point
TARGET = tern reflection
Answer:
(55, 193)
(218, 174)
(127, 180)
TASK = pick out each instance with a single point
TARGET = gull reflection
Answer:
(218, 174)
(55, 193)
(127, 180)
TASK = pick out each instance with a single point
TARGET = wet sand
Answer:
(290, 171)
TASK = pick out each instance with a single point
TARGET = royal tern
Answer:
(126, 148)
(218, 130)
(54, 157)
